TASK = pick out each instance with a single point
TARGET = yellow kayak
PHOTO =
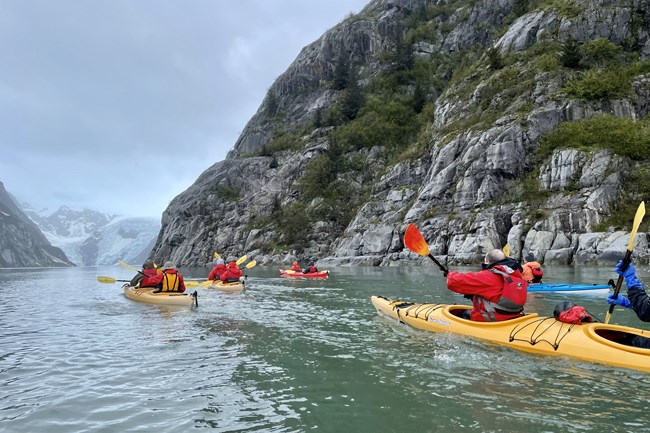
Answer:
(593, 342)
(145, 294)
(236, 286)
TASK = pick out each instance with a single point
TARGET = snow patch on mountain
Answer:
(92, 238)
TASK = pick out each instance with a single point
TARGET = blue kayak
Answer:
(565, 287)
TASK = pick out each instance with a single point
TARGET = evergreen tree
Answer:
(495, 59)
(318, 118)
(519, 7)
(352, 99)
(404, 59)
(271, 103)
(419, 98)
(341, 72)
(570, 56)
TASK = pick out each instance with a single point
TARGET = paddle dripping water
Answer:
(285, 355)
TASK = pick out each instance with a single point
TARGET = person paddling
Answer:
(311, 269)
(232, 274)
(498, 291)
(143, 278)
(532, 270)
(295, 267)
(218, 270)
(638, 301)
(169, 280)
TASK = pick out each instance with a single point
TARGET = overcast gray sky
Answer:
(119, 105)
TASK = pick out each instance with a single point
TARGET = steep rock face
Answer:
(465, 194)
(21, 242)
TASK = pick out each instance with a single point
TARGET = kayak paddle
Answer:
(111, 280)
(415, 242)
(640, 212)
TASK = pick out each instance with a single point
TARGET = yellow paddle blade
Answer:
(241, 260)
(121, 263)
(206, 283)
(106, 280)
(191, 283)
(415, 242)
(506, 250)
(216, 255)
(251, 264)
(640, 212)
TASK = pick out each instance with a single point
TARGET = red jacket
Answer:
(484, 285)
(216, 273)
(231, 274)
(146, 281)
(167, 278)
(296, 268)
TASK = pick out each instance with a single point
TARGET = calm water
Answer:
(288, 356)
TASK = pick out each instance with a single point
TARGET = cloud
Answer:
(120, 105)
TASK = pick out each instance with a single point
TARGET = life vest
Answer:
(170, 283)
(513, 295)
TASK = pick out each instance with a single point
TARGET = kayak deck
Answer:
(593, 342)
(236, 286)
(145, 294)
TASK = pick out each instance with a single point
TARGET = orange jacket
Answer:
(527, 274)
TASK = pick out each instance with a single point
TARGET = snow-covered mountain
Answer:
(91, 238)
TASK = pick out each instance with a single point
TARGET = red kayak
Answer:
(296, 274)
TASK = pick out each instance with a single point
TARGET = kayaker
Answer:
(532, 270)
(143, 277)
(169, 280)
(498, 291)
(219, 269)
(638, 300)
(232, 274)
(295, 267)
(310, 269)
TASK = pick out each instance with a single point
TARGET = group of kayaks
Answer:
(151, 296)
(592, 341)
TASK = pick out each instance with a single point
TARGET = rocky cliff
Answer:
(484, 122)
(21, 242)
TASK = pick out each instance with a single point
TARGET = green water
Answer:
(289, 356)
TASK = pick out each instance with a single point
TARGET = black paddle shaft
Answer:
(626, 262)
(442, 268)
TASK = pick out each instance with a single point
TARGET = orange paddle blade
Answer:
(415, 242)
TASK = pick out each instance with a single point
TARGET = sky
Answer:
(119, 105)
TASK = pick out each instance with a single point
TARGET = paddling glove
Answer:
(619, 300)
(629, 274)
